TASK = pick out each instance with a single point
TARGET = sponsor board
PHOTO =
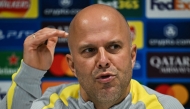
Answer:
(62, 42)
(168, 8)
(168, 34)
(14, 34)
(138, 70)
(168, 64)
(136, 28)
(59, 67)
(128, 8)
(9, 63)
(62, 8)
(4, 87)
(18, 8)
(181, 91)
(48, 84)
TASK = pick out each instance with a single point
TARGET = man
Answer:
(101, 57)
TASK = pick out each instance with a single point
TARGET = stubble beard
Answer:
(105, 96)
(109, 94)
(118, 91)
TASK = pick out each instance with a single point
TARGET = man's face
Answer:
(102, 60)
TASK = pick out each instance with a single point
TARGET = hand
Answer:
(37, 54)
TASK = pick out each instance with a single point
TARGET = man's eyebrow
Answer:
(83, 46)
(115, 42)
(89, 45)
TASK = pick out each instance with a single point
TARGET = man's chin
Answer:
(108, 94)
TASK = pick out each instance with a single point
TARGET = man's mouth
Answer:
(105, 77)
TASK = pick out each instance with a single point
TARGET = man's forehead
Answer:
(96, 18)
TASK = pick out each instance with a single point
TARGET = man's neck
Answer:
(103, 105)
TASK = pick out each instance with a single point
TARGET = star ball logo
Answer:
(62, 8)
(65, 3)
(170, 31)
(178, 90)
(18, 8)
(59, 67)
(168, 34)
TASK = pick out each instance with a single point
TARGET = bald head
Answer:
(96, 18)
(100, 43)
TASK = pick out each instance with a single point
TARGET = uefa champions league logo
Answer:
(65, 3)
(170, 31)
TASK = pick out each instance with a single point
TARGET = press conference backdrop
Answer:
(160, 29)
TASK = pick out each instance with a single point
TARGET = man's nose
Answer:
(102, 59)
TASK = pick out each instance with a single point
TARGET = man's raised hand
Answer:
(39, 48)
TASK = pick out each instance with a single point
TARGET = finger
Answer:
(48, 30)
(44, 34)
(51, 43)
(40, 37)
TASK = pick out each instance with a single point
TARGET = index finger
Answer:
(42, 35)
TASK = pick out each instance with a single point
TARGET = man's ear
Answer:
(133, 54)
(71, 64)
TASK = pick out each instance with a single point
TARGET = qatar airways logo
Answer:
(168, 8)
(168, 64)
(169, 61)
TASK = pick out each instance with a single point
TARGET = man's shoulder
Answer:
(59, 96)
(70, 87)
(151, 98)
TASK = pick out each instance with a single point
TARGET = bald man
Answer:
(101, 57)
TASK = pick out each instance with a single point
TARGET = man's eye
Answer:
(88, 50)
(114, 47)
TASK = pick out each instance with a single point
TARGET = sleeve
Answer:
(25, 88)
(169, 102)
(52, 98)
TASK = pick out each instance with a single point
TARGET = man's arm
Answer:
(37, 59)
(25, 88)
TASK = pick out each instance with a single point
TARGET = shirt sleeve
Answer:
(169, 102)
(25, 88)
